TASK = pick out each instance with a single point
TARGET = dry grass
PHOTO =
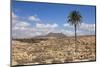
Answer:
(54, 50)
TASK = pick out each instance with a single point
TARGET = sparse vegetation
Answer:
(55, 50)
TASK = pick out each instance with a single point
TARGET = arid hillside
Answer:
(53, 50)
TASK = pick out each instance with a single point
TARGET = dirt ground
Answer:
(53, 50)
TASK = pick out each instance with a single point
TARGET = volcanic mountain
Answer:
(49, 35)
(55, 35)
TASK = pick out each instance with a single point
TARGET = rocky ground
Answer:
(53, 50)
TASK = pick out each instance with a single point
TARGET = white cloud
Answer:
(22, 28)
(33, 18)
(13, 15)
(82, 29)
(14, 18)
(21, 25)
(41, 25)
(43, 29)
(67, 32)
(87, 27)
(18, 24)
(67, 25)
(82, 26)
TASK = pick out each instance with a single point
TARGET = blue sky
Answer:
(46, 15)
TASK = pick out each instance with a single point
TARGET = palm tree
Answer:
(75, 18)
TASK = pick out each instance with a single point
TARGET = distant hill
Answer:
(55, 35)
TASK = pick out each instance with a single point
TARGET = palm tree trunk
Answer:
(74, 52)
(75, 37)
